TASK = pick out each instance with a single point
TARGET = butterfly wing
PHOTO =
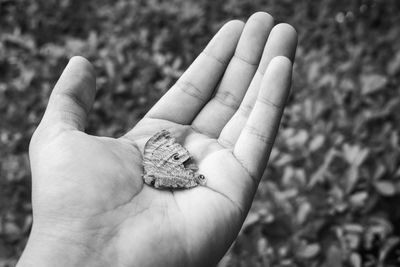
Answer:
(162, 148)
(164, 160)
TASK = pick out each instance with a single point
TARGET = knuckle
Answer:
(245, 165)
(72, 98)
(228, 99)
(209, 54)
(246, 60)
(190, 89)
(245, 110)
(269, 103)
(226, 143)
(259, 135)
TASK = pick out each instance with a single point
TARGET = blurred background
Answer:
(330, 196)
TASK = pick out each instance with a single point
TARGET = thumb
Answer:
(72, 97)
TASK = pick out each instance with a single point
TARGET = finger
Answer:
(282, 41)
(185, 99)
(237, 76)
(254, 144)
(72, 96)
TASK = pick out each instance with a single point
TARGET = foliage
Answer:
(329, 196)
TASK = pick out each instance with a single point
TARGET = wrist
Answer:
(58, 248)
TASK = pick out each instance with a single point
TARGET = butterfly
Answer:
(167, 164)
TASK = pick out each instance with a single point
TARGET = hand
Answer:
(90, 205)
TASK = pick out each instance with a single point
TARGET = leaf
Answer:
(372, 83)
(298, 139)
(385, 188)
(309, 251)
(262, 246)
(394, 65)
(303, 212)
(353, 240)
(314, 71)
(251, 219)
(353, 228)
(334, 257)
(389, 245)
(11, 229)
(355, 259)
(354, 154)
(317, 142)
(352, 178)
(319, 175)
(358, 199)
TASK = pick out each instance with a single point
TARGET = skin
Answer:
(90, 205)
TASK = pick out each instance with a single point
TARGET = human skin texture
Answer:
(90, 204)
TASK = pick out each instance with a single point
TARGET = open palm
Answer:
(88, 194)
